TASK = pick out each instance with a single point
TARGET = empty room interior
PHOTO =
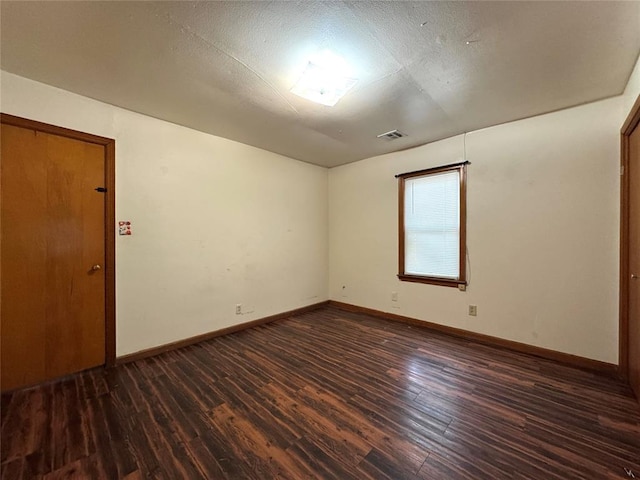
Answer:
(333, 240)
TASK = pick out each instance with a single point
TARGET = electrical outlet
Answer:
(394, 296)
(473, 310)
(238, 309)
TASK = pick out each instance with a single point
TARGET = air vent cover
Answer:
(392, 135)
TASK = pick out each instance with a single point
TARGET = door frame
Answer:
(109, 217)
(632, 121)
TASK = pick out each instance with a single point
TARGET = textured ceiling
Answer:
(428, 69)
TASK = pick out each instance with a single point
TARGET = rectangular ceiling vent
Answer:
(392, 135)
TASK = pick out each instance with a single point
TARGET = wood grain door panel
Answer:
(634, 261)
(24, 243)
(53, 303)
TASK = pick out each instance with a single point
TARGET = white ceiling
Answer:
(226, 68)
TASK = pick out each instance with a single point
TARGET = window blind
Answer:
(432, 225)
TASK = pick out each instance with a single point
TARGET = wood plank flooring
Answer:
(330, 395)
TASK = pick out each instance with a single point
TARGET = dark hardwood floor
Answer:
(329, 395)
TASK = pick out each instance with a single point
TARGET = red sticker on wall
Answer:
(124, 228)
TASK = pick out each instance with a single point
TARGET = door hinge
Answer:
(100, 189)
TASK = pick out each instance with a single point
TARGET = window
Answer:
(432, 207)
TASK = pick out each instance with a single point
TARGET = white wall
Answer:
(632, 90)
(215, 222)
(542, 229)
(542, 226)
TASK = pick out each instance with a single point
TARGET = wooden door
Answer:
(630, 249)
(633, 170)
(52, 256)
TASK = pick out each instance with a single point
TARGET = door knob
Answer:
(634, 276)
(96, 267)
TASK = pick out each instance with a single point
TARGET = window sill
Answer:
(444, 282)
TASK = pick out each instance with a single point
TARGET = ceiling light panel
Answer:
(322, 85)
